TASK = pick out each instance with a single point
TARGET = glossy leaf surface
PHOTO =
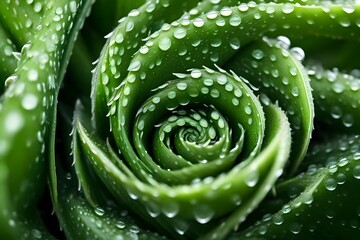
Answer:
(212, 119)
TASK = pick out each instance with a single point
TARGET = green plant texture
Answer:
(169, 119)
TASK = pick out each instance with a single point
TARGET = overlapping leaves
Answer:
(201, 115)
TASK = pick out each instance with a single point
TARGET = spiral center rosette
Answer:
(192, 150)
(203, 155)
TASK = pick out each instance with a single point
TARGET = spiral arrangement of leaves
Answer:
(200, 122)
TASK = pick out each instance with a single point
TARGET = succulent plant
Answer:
(213, 119)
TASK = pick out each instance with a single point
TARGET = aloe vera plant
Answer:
(212, 119)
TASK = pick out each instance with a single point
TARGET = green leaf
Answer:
(326, 197)
(27, 107)
(185, 126)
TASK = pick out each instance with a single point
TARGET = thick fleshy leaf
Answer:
(170, 133)
(280, 76)
(27, 106)
(336, 97)
(169, 206)
(192, 113)
(322, 196)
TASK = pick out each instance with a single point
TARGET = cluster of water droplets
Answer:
(336, 95)
(333, 169)
(27, 105)
(144, 69)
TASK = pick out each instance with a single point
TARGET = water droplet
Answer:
(275, 73)
(356, 156)
(295, 91)
(238, 93)
(29, 101)
(221, 123)
(119, 237)
(331, 75)
(144, 49)
(119, 38)
(235, 43)
(131, 78)
(225, 12)
(170, 209)
(195, 42)
(214, 93)
(258, 54)
(153, 210)
(344, 22)
(229, 87)
(354, 86)
(235, 21)
(129, 26)
(257, 15)
(198, 22)
(216, 42)
(211, 15)
(72, 6)
(283, 42)
(298, 53)
(203, 213)
(36, 233)
(165, 44)
(12, 223)
(196, 73)
(288, 8)
(243, 7)
(180, 33)
(33, 75)
(270, 9)
(265, 99)
(222, 80)
(338, 87)
(13, 122)
(215, 1)
(341, 178)
(295, 228)
(330, 184)
(286, 209)
(204, 90)
(277, 219)
(262, 229)
(37, 7)
(248, 110)
(99, 211)
(214, 57)
(356, 172)
(134, 229)
(181, 86)
(348, 120)
(307, 198)
(171, 94)
(220, 22)
(208, 82)
(134, 66)
(181, 227)
(120, 224)
(134, 13)
(235, 101)
(293, 71)
(348, 7)
(336, 112)
(252, 178)
(141, 125)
